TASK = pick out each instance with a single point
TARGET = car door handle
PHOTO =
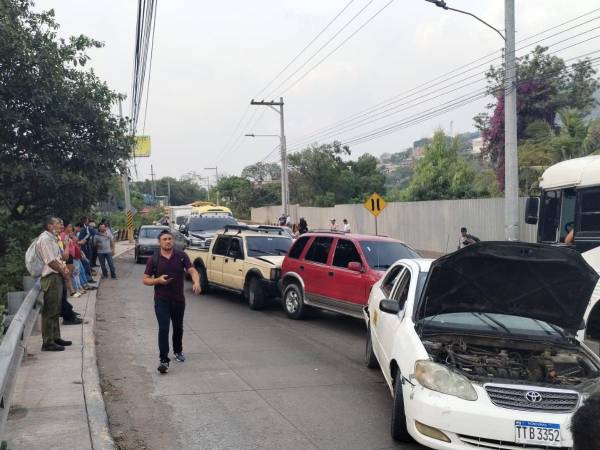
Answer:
(301, 267)
(214, 258)
(226, 260)
(330, 274)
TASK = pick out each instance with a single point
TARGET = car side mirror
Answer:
(532, 206)
(389, 306)
(355, 266)
(183, 229)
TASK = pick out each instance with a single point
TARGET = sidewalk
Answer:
(57, 402)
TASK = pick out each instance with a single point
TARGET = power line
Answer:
(367, 116)
(352, 19)
(295, 58)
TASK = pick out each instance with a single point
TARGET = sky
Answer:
(211, 58)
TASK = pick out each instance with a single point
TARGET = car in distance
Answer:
(479, 347)
(335, 271)
(200, 229)
(245, 260)
(146, 241)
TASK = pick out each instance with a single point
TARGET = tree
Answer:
(183, 191)
(260, 172)
(545, 85)
(57, 134)
(441, 174)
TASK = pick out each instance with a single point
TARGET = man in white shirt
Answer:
(347, 228)
(333, 226)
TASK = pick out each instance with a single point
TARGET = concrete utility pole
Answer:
(126, 193)
(153, 185)
(511, 165)
(216, 169)
(169, 192)
(285, 196)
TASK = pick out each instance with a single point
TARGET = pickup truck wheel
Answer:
(370, 359)
(203, 279)
(256, 296)
(399, 429)
(293, 301)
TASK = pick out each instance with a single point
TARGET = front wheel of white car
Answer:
(370, 359)
(399, 428)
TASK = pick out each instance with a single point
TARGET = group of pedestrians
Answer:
(297, 228)
(346, 228)
(66, 254)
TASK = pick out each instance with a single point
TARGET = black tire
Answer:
(370, 358)
(256, 296)
(203, 279)
(137, 258)
(399, 429)
(293, 301)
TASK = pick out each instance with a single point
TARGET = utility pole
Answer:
(285, 197)
(153, 185)
(126, 193)
(216, 169)
(169, 192)
(511, 165)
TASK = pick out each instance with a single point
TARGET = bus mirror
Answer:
(532, 206)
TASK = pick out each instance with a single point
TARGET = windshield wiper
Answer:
(497, 322)
(264, 252)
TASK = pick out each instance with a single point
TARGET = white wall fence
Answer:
(433, 225)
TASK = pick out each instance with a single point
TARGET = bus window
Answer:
(589, 210)
(550, 215)
(567, 212)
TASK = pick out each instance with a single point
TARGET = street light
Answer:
(511, 166)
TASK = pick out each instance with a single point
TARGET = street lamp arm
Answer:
(442, 4)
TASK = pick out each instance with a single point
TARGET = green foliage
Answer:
(441, 174)
(319, 176)
(260, 172)
(239, 194)
(545, 87)
(183, 191)
(60, 145)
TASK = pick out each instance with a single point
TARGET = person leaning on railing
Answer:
(52, 285)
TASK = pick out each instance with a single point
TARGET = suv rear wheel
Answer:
(256, 296)
(293, 301)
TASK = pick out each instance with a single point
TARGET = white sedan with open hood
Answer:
(479, 347)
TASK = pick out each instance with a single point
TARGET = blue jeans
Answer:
(167, 311)
(107, 257)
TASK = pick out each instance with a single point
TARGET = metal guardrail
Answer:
(12, 346)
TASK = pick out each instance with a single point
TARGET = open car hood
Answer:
(542, 282)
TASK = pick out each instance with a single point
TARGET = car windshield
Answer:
(382, 254)
(490, 322)
(268, 245)
(210, 223)
(150, 233)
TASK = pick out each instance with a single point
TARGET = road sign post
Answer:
(375, 204)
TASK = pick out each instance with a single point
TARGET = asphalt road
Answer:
(253, 379)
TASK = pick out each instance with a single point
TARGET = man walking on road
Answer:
(53, 273)
(105, 246)
(164, 271)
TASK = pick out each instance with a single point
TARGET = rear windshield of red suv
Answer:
(382, 254)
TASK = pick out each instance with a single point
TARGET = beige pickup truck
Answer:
(243, 259)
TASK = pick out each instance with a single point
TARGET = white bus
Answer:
(570, 200)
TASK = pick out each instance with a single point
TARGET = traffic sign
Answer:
(375, 204)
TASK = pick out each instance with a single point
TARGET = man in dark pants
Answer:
(165, 271)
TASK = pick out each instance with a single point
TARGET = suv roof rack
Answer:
(257, 229)
(327, 231)
(239, 228)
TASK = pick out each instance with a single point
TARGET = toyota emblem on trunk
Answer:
(533, 397)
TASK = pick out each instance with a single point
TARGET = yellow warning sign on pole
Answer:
(142, 147)
(375, 204)
(130, 226)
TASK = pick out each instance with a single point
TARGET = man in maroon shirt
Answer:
(165, 273)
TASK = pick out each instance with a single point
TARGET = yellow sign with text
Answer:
(142, 147)
(375, 204)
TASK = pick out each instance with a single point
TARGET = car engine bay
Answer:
(485, 359)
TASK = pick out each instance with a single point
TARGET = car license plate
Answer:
(547, 434)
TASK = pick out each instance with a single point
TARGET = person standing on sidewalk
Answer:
(105, 246)
(55, 270)
(165, 271)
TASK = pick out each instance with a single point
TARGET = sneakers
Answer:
(179, 357)
(62, 342)
(72, 321)
(76, 294)
(52, 347)
(163, 367)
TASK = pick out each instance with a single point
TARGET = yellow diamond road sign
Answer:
(375, 204)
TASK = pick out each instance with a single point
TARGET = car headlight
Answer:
(441, 379)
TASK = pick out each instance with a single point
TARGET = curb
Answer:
(100, 436)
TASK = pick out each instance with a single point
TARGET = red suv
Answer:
(335, 270)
